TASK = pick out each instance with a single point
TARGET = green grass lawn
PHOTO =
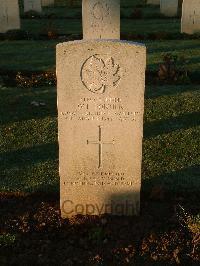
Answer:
(74, 26)
(32, 231)
(146, 11)
(40, 55)
(77, 3)
(29, 149)
(31, 55)
(150, 20)
(28, 137)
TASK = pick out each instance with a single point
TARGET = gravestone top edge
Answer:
(97, 41)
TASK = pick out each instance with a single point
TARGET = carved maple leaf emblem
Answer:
(100, 10)
(98, 74)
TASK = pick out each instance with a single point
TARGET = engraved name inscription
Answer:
(98, 109)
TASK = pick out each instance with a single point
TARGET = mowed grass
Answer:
(128, 8)
(29, 149)
(28, 141)
(68, 19)
(78, 3)
(30, 55)
(40, 55)
(28, 133)
(74, 26)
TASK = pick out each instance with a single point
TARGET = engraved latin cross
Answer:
(100, 143)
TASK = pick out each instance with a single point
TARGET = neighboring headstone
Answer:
(190, 22)
(100, 108)
(32, 5)
(153, 2)
(101, 19)
(9, 15)
(169, 8)
(47, 2)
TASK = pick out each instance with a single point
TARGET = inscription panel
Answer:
(101, 179)
(100, 134)
(101, 109)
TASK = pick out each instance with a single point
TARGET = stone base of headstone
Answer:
(100, 118)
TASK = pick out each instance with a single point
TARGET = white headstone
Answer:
(32, 5)
(9, 15)
(169, 8)
(47, 2)
(100, 122)
(153, 2)
(101, 19)
(190, 22)
(100, 105)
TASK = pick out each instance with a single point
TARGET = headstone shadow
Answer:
(152, 129)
